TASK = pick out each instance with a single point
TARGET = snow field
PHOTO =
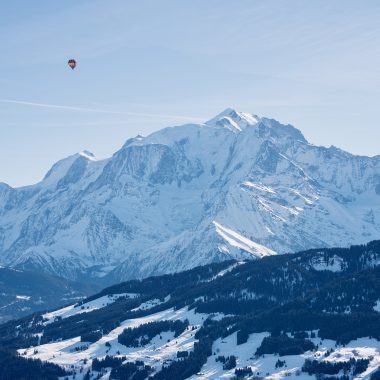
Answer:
(87, 307)
(155, 354)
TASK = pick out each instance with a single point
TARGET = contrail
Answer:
(85, 109)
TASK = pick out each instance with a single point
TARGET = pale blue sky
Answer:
(144, 65)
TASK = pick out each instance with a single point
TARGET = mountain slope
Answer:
(298, 315)
(23, 292)
(237, 187)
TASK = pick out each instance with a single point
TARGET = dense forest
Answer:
(142, 335)
(283, 345)
(13, 366)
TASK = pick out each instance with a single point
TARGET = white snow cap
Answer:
(87, 154)
(233, 120)
(236, 122)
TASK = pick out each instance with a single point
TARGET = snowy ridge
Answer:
(236, 240)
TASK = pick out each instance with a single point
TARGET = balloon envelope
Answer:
(72, 63)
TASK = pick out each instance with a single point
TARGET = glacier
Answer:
(238, 186)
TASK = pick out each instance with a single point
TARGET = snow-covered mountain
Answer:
(238, 186)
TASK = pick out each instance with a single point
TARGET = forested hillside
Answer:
(275, 311)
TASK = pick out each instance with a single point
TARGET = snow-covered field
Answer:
(265, 366)
(156, 353)
(333, 264)
(162, 350)
(71, 310)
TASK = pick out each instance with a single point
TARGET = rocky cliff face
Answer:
(238, 186)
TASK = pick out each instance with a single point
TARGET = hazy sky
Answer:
(144, 65)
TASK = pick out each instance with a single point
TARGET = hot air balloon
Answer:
(72, 63)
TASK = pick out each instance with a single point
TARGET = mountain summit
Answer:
(238, 186)
(233, 120)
